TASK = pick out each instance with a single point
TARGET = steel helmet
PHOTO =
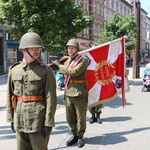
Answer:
(73, 42)
(30, 39)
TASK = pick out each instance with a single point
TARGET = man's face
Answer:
(34, 51)
(72, 50)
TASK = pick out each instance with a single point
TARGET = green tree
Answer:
(56, 21)
(119, 26)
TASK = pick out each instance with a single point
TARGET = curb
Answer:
(135, 81)
(2, 76)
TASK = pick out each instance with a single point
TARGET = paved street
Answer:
(122, 128)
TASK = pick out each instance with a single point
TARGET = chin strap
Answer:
(30, 55)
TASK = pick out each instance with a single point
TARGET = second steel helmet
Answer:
(73, 42)
(29, 40)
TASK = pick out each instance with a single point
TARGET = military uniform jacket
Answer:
(33, 79)
(76, 73)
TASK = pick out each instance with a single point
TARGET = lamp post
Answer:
(138, 40)
(90, 30)
(136, 57)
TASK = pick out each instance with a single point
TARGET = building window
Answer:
(86, 4)
(148, 35)
(147, 26)
(124, 11)
(107, 3)
(77, 2)
(117, 7)
(128, 11)
(121, 9)
(95, 8)
(100, 10)
(86, 31)
(7, 36)
(96, 29)
(112, 4)
(147, 45)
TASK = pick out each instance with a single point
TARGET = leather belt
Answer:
(77, 81)
(29, 98)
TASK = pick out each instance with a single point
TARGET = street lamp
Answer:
(136, 65)
(91, 44)
(138, 40)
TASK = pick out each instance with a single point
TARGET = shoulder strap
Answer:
(15, 64)
(72, 65)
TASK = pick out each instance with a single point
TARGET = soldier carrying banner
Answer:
(75, 91)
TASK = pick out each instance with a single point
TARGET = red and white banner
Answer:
(106, 75)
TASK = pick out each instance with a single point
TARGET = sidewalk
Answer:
(122, 128)
(136, 81)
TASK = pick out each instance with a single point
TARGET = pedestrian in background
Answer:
(60, 79)
(31, 97)
(75, 92)
(147, 67)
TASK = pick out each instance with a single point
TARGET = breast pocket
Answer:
(33, 78)
(35, 82)
(18, 82)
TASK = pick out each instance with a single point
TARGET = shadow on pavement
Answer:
(2, 108)
(96, 140)
(60, 130)
(3, 80)
(116, 119)
(117, 137)
(8, 137)
(61, 127)
(6, 133)
(109, 138)
(115, 103)
(4, 127)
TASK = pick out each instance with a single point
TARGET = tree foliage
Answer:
(119, 26)
(56, 21)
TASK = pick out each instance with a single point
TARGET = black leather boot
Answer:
(72, 140)
(99, 120)
(92, 120)
(81, 142)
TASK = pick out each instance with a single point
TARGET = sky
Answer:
(145, 4)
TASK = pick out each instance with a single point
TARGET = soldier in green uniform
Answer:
(95, 112)
(31, 97)
(75, 92)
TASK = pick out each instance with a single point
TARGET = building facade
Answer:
(2, 42)
(147, 51)
(122, 7)
(143, 29)
(94, 8)
(100, 10)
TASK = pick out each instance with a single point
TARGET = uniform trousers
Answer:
(31, 141)
(76, 109)
(96, 110)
